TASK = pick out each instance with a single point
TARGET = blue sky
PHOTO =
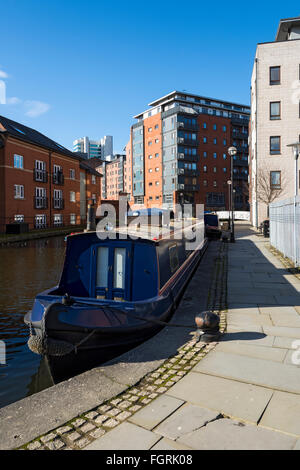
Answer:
(75, 68)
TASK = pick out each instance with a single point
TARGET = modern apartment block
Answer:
(178, 151)
(113, 176)
(275, 118)
(94, 148)
(41, 182)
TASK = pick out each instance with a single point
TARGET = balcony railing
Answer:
(188, 158)
(40, 202)
(58, 178)
(184, 141)
(58, 203)
(40, 175)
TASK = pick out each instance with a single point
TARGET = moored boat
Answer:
(114, 291)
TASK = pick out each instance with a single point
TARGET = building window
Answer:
(150, 142)
(224, 156)
(149, 156)
(72, 196)
(40, 221)
(18, 161)
(57, 220)
(275, 179)
(224, 128)
(157, 183)
(204, 154)
(215, 184)
(224, 142)
(274, 145)
(275, 75)
(156, 126)
(205, 169)
(215, 141)
(156, 141)
(19, 218)
(149, 129)
(19, 191)
(225, 170)
(72, 174)
(215, 155)
(275, 110)
(72, 219)
(93, 179)
(157, 154)
(204, 125)
(215, 127)
(204, 182)
(215, 169)
(150, 170)
(157, 168)
(204, 140)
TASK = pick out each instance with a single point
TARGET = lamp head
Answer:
(232, 151)
(296, 149)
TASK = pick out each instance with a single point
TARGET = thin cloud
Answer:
(36, 108)
(3, 74)
(13, 100)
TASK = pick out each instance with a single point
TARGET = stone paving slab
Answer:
(288, 321)
(260, 352)
(283, 413)
(254, 300)
(126, 436)
(248, 310)
(185, 420)
(291, 356)
(248, 319)
(278, 310)
(288, 300)
(249, 370)
(167, 444)
(282, 331)
(231, 328)
(226, 434)
(285, 342)
(235, 399)
(153, 414)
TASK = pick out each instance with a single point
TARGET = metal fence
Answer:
(285, 227)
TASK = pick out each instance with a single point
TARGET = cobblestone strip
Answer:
(82, 430)
(287, 262)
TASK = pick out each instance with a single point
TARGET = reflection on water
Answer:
(24, 272)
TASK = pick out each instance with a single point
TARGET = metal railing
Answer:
(285, 227)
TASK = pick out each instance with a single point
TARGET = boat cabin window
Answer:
(119, 268)
(174, 261)
(102, 266)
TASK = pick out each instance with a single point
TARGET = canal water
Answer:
(24, 272)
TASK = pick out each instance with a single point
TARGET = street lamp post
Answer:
(232, 151)
(296, 151)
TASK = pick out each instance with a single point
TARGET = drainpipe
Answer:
(256, 202)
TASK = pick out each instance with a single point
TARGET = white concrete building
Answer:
(275, 118)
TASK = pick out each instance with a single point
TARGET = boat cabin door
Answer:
(112, 278)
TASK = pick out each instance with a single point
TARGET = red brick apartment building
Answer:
(41, 182)
(178, 151)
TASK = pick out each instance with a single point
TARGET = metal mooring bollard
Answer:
(208, 326)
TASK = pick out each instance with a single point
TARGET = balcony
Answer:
(188, 158)
(188, 172)
(185, 125)
(40, 202)
(183, 141)
(58, 203)
(191, 187)
(40, 175)
(58, 178)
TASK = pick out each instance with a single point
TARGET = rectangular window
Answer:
(274, 145)
(40, 221)
(275, 179)
(119, 268)
(72, 219)
(102, 266)
(18, 161)
(275, 75)
(275, 110)
(93, 179)
(19, 191)
(19, 218)
(72, 196)
(72, 174)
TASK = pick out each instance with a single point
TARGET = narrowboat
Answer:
(114, 290)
